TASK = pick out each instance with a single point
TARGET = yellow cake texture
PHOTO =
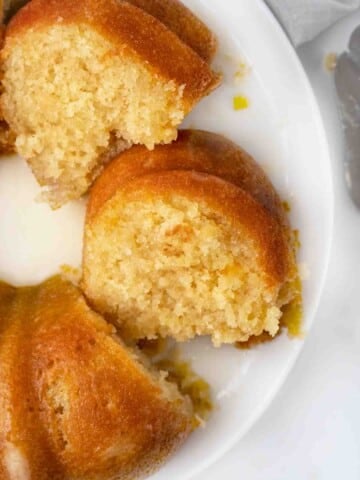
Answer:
(189, 239)
(84, 79)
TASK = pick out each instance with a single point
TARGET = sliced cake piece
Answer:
(75, 403)
(83, 79)
(189, 239)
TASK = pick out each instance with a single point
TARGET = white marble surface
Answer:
(312, 429)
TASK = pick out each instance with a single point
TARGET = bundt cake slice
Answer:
(189, 239)
(104, 74)
(75, 403)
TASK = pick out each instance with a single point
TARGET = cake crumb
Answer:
(330, 61)
(165, 355)
(190, 384)
(296, 236)
(243, 70)
(287, 207)
(292, 319)
(237, 68)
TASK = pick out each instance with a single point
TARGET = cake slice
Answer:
(104, 75)
(75, 403)
(189, 239)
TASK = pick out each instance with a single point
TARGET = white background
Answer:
(312, 429)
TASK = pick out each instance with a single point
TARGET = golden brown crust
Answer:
(131, 30)
(194, 150)
(206, 166)
(73, 402)
(179, 19)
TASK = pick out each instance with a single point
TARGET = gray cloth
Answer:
(305, 19)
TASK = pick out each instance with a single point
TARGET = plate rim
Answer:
(298, 349)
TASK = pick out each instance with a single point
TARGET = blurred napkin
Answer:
(305, 19)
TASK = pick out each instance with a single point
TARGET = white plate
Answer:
(283, 130)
